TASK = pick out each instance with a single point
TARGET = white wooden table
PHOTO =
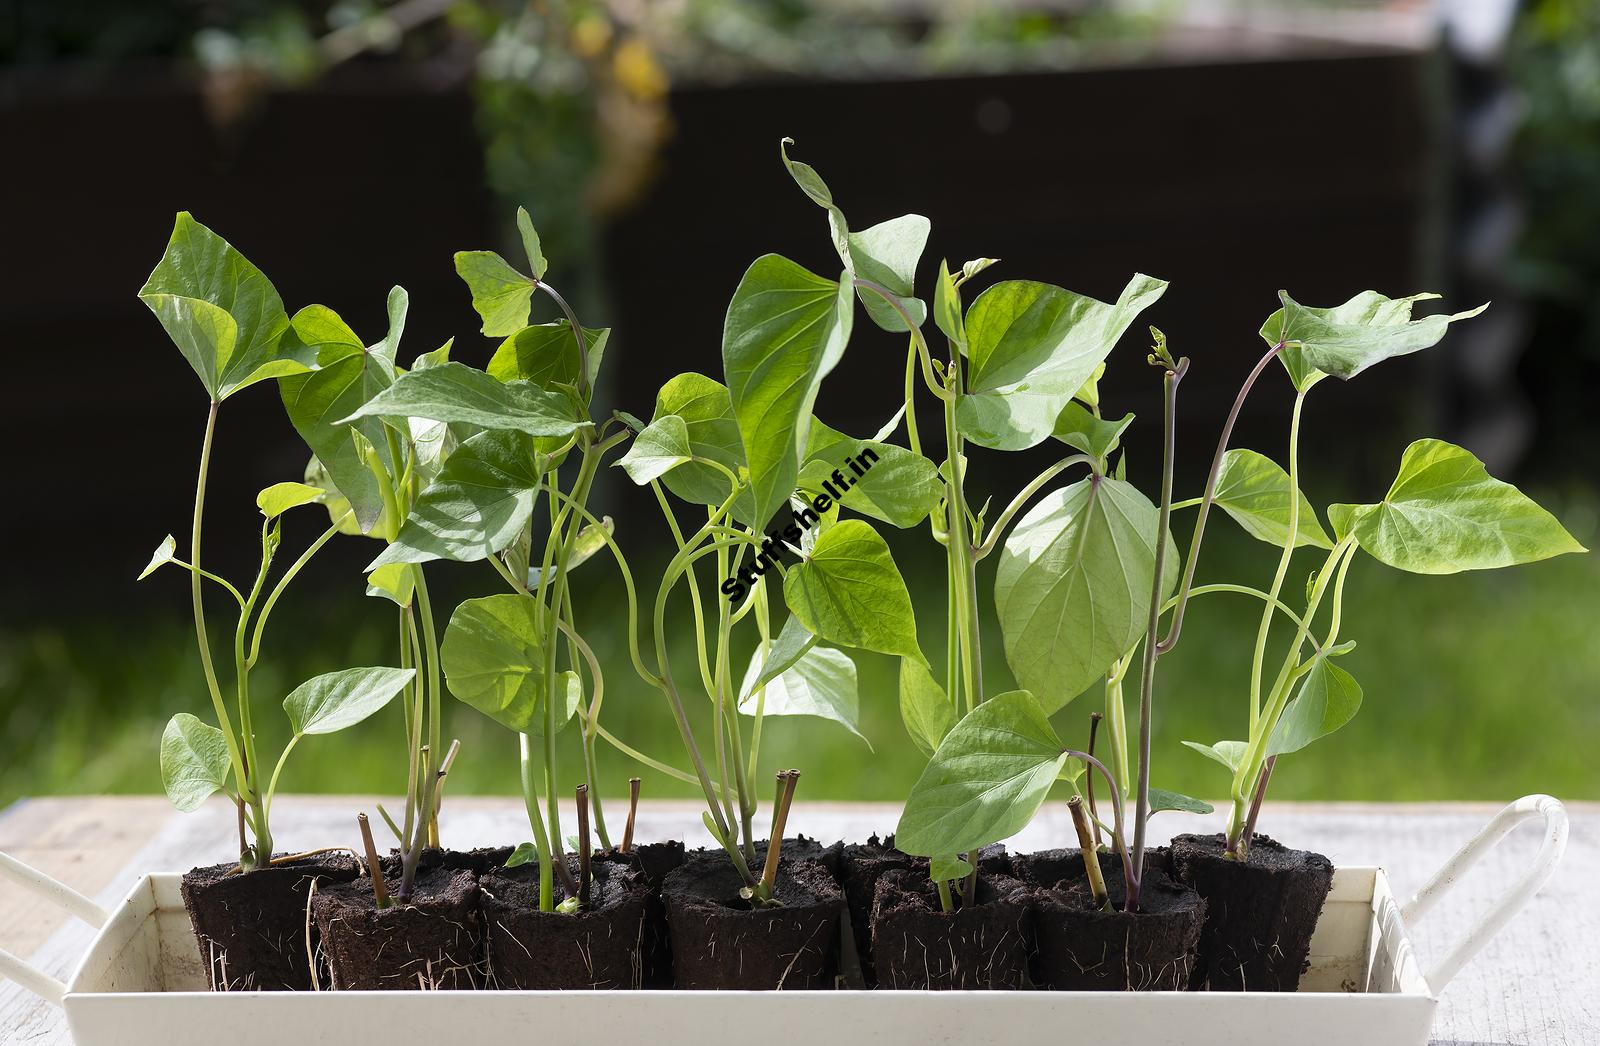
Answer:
(1537, 983)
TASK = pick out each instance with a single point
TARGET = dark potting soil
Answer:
(435, 941)
(861, 865)
(719, 941)
(653, 861)
(601, 946)
(1079, 947)
(917, 945)
(251, 926)
(478, 861)
(1260, 912)
(800, 848)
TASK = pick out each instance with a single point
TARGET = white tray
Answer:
(142, 983)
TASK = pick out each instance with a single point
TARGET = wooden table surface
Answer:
(1537, 983)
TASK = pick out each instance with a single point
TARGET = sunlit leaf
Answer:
(850, 592)
(1255, 492)
(194, 761)
(335, 700)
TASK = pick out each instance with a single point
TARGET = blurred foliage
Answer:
(1555, 61)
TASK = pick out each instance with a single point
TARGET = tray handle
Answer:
(63, 896)
(1529, 807)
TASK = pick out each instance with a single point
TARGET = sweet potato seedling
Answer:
(229, 323)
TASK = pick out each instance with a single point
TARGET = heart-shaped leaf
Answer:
(1445, 514)
(885, 482)
(660, 448)
(707, 410)
(476, 507)
(1229, 753)
(1255, 492)
(222, 313)
(1030, 348)
(455, 392)
(317, 404)
(886, 254)
(986, 781)
(396, 582)
(279, 498)
(547, 355)
(493, 656)
(821, 683)
(194, 761)
(335, 700)
(1328, 698)
(1347, 339)
(1073, 586)
(786, 328)
(793, 643)
(501, 295)
(850, 592)
(1078, 428)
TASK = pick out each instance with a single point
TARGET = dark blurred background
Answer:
(1231, 148)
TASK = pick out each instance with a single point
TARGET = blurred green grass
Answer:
(1478, 686)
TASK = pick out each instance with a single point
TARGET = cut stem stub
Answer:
(1091, 855)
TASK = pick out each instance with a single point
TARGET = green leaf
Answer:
(986, 781)
(398, 305)
(850, 592)
(1089, 395)
(900, 487)
(1445, 514)
(160, 558)
(1031, 347)
(501, 295)
(886, 254)
(523, 854)
(786, 329)
(194, 761)
(335, 700)
(822, 684)
(348, 377)
(530, 244)
(222, 313)
(946, 867)
(924, 706)
(337, 505)
(395, 582)
(1081, 430)
(660, 448)
(793, 643)
(1347, 339)
(1161, 799)
(1255, 492)
(493, 657)
(476, 507)
(1229, 753)
(947, 307)
(547, 355)
(1073, 586)
(1328, 698)
(281, 497)
(457, 393)
(707, 410)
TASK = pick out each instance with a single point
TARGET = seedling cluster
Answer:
(776, 528)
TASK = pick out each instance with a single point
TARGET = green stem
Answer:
(541, 839)
(240, 774)
(283, 583)
(1171, 378)
(694, 589)
(430, 641)
(1176, 627)
(1027, 492)
(1264, 628)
